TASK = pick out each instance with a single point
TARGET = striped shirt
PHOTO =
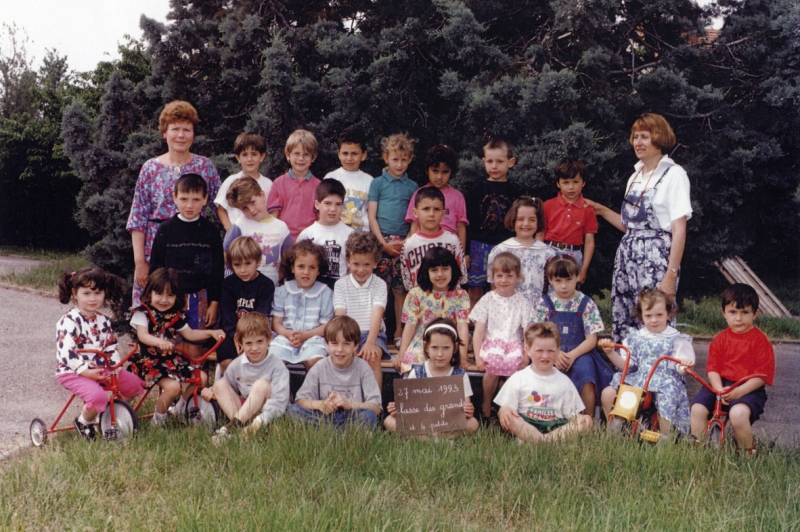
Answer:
(357, 300)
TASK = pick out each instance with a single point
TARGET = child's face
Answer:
(440, 350)
(655, 319)
(439, 175)
(504, 282)
(190, 204)
(305, 270)
(361, 266)
(245, 269)
(300, 159)
(441, 277)
(429, 211)
(564, 287)
(341, 351)
(162, 301)
(330, 210)
(571, 188)
(351, 156)
(251, 160)
(255, 347)
(543, 353)
(256, 208)
(526, 223)
(88, 300)
(397, 162)
(740, 320)
(497, 164)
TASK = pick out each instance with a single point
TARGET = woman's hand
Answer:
(141, 273)
(667, 284)
(598, 209)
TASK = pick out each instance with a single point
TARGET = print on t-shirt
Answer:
(537, 407)
(333, 253)
(353, 213)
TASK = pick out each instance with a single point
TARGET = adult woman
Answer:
(655, 210)
(152, 199)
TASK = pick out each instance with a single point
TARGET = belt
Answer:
(156, 220)
(562, 246)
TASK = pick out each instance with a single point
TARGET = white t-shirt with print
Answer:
(333, 238)
(356, 186)
(543, 398)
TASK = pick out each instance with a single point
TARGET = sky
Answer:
(86, 31)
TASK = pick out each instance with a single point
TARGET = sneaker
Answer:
(221, 435)
(86, 431)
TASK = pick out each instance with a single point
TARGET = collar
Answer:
(437, 234)
(314, 291)
(390, 177)
(665, 162)
(580, 203)
(366, 284)
(307, 177)
(513, 243)
(184, 219)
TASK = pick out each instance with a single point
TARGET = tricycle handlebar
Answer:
(727, 389)
(107, 357)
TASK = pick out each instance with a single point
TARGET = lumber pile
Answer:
(735, 270)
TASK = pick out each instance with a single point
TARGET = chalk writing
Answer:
(429, 405)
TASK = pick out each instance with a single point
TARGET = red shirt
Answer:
(734, 356)
(568, 222)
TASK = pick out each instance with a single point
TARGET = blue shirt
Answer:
(392, 195)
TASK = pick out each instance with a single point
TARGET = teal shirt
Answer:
(392, 195)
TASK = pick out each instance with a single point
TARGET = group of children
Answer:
(304, 273)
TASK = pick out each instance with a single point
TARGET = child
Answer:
(389, 196)
(302, 306)
(190, 244)
(440, 342)
(341, 389)
(436, 296)
(352, 152)
(362, 296)
(330, 231)
(429, 208)
(738, 351)
(83, 327)
(271, 234)
(500, 317)
(578, 321)
(540, 403)
(526, 218)
(250, 149)
(654, 308)
(247, 291)
(158, 322)
(255, 383)
(488, 204)
(441, 164)
(293, 193)
(571, 222)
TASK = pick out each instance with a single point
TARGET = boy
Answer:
(293, 193)
(341, 388)
(248, 290)
(352, 152)
(540, 403)
(487, 204)
(330, 231)
(269, 232)
(250, 149)
(429, 209)
(738, 351)
(191, 245)
(571, 223)
(362, 296)
(389, 195)
(255, 383)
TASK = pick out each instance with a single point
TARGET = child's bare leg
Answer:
(698, 421)
(664, 425)
(227, 398)
(475, 293)
(588, 396)
(88, 413)
(739, 416)
(607, 399)
(259, 394)
(489, 387)
(472, 425)
(581, 423)
(390, 424)
(170, 389)
(377, 370)
(224, 365)
(525, 431)
(399, 299)
(310, 363)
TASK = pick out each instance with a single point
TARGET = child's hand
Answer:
(507, 417)
(397, 362)
(466, 262)
(393, 249)
(327, 406)
(216, 334)
(469, 409)
(207, 394)
(732, 395)
(339, 402)
(164, 345)
(211, 314)
(296, 339)
(564, 361)
(391, 409)
(370, 352)
(96, 374)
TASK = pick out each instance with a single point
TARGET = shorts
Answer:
(196, 308)
(227, 350)
(544, 426)
(478, 262)
(389, 268)
(755, 400)
(380, 341)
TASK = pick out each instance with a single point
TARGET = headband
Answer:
(441, 326)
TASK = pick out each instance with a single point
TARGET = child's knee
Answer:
(739, 415)
(171, 387)
(262, 387)
(221, 386)
(698, 410)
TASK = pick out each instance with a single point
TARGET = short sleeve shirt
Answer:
(222, 200)
(567, 223)
(734, 355)
(355, 383)
(359, 300)
(543, 398)
(455, 209)
(418, 244)
(672, 199)
(294, 197)
(393, 196)
(272, 236)
(505, 317)
(332, 239)
(356, 186)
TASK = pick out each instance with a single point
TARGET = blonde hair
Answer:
(506, 262)
(662, 136)
(304, 138)
(649, 298)
(545, 330)
(244, 248)
(499, 144)
(252, 324)
(176, 111)
(398, 142)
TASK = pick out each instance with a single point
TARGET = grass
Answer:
(44, 277)
(33, 253)
(299, 478)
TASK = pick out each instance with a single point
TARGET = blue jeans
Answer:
(340, 419)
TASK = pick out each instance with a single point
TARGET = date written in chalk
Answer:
(429, 405)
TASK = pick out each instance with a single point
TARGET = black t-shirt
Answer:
(487, 205)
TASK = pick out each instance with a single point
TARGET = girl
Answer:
(654, 308)
(439, 342)
(160, 323)
(526, 218)
(83, 327)
(436, 296)
(302, 306)
(578, 321)
(500, 318)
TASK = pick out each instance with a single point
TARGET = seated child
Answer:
(362, 296)
(437, 296)
(738, 351)
(329, 232)
(302, 306)
(292, 196)
(441, 164)
(578, 321)
(340, 390)
(440, 345)
(571, 222)
(248, 290)
(250, 149)
(526, 218)
(272, 235)
(668, 386)
(429, 208)
(255, 386)
(539, 403)
(160, 323)
(500, 318)
(352, 152)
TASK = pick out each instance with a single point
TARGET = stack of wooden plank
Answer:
(735, 270)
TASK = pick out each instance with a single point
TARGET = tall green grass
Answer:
(45, 276)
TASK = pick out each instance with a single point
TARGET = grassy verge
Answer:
(44, 277)
(35, 254)
(299, 478)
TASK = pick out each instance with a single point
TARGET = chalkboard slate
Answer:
(435, 404)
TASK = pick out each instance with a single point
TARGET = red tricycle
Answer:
(198, 410)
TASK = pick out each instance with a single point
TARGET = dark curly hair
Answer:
(442, 153)
(91, 277)
(438, 256)
(303, 247)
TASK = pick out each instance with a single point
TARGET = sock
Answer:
(158, 419)
(83, 421)
(180, 406)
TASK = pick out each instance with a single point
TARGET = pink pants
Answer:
(93, 393)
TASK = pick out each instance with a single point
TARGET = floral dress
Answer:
(152, 364)
(505, 319)
(532, 259)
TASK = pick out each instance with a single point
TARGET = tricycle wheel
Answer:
(38, 432)
(126, 423)
(616, 424)
(715, 436)
(206, 413)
